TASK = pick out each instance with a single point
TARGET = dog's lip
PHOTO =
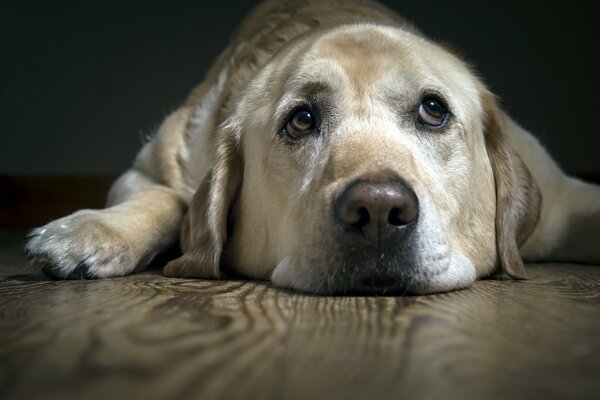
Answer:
(374, 278)
(375, 287)
(403, 277)
(378, 284)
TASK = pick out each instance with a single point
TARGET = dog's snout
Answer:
(378, 208)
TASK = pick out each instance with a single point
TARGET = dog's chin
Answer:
(382, 275)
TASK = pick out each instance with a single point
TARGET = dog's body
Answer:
(331, 148)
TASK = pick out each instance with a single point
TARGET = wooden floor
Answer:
(150, 337)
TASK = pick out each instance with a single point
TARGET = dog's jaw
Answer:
(430, 264)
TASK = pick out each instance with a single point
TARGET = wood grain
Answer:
(146, 336)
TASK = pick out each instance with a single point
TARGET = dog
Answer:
(332, 148)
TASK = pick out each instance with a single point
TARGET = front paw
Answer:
(83, 245)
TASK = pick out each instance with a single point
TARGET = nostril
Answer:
(394, 217)
(363, 218)
(401, 216)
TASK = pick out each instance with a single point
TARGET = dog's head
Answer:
(362, 158)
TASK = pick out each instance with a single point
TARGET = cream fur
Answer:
(220, 157)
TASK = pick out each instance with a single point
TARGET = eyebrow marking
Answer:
(303, 93)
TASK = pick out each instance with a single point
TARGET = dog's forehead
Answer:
(363, 52)
(375, 61)
(368, 54)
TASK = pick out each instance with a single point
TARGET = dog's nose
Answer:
(379, 208)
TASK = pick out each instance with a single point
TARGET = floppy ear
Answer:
(204, 229)
(518, 198)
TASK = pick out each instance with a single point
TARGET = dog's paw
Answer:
(80, 246)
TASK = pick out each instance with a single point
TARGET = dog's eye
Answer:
(301, 123)
(431, 112)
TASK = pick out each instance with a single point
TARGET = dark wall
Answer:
(83, 82)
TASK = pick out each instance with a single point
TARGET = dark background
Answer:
(82, 83)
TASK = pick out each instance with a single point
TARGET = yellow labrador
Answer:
(333, 148)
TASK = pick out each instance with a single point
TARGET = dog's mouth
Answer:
(380, 285)
(390, 273)
(340, 262)
(390, 276)
(339, 273)
(402, 273)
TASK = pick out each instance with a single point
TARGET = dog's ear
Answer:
(518, 198)
(205, 226)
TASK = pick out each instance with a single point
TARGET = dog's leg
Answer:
(579, 239)
(569, 227)
(143, 218)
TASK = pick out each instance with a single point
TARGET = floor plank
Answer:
(147, 336)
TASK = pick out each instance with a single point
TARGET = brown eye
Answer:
(301, 123)
(431, 112)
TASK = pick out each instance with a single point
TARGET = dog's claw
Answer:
(48, 268)
(81, 271)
